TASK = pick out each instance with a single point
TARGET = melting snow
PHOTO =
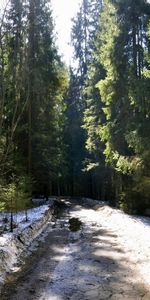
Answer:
(133, 233)
(13, 244)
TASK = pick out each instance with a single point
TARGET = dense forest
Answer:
(77, 131)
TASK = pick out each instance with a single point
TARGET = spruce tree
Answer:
(45, 95)
(83, 35)
(122, 47)
(33, 82)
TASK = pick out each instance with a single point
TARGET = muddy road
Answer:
(77, 259)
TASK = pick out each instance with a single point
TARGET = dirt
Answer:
(78, 260)
(74, 224)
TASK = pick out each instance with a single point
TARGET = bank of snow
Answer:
(133, 233)
(12, 245)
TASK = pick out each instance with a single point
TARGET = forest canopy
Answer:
(77, 131)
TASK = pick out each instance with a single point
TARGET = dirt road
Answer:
(81, 260)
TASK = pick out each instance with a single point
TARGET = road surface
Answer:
(78, 261)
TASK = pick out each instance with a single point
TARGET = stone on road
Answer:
(84, 264)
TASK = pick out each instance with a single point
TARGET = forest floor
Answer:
(91, 254)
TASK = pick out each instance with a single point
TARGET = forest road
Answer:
(78, 260)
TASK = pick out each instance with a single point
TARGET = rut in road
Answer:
(86, 264)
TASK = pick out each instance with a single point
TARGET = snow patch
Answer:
(133, 233)
(13, 244)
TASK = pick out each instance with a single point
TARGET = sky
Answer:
(63, 12)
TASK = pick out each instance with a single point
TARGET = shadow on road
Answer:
(89, 264)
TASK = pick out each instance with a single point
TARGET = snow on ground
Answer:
(133, 233)
(13, 244)
(20, 218)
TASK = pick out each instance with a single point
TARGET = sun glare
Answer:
(64, 11)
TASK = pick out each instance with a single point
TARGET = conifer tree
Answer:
(74, 138)
(84, 29)
(32, 88)
(12, 86)
(46, 87)
(123, 41)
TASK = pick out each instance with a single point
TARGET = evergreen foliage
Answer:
(83, 131)
(116, 120)
(33, 83)
(125, 97)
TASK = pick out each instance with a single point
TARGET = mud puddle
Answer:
(74, 224)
